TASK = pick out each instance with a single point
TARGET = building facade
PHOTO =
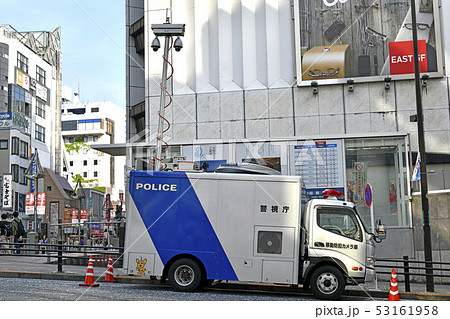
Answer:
(29, 106)
(94, 123)
(278, 80)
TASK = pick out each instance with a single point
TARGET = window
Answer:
(49, 188)
(22, 179)
(95, 162)
(23, 150)
(17, 100)
(71, 163)
(109, 126)
(40, 75)
(40, 133)
(69, 126)
(3, 144)
(22, 62)
(15, 172)
(21, 202)
(382, 163)
(95, 138)
(15, 145)
(95, 174)
(95, 110)
(342, 222)
(85, 162)
(84, 174)
(40, 108)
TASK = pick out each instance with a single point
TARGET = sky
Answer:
(92, 41)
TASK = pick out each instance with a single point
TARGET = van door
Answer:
(338, 234)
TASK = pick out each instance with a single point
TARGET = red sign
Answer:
(108, 201)
(74, 215)
(29, 203)
(83, 214)
(401, 57)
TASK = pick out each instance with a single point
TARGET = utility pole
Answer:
(423, 161)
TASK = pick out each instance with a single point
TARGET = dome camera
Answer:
(178, 44)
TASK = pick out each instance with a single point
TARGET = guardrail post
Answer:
(406, 270)
(60, 256)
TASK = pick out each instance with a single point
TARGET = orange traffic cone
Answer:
(393, 292)
(109, 277)
(89, 280)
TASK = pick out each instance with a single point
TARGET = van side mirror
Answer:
(381, 231)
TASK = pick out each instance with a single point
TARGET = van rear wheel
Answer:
(327, 282)
(185, 275)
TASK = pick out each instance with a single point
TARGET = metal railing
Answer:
(443, 271)
(61, 252)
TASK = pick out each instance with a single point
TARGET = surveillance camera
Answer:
(178, 44)
(155, 44)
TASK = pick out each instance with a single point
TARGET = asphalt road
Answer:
(20, 289)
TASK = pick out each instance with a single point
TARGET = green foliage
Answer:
(100, 189)
(80, 178)
(77, 145)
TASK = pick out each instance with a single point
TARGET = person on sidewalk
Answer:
(5, 232)
(17, 230)
(42, 243)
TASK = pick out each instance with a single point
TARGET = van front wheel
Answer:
(327, 282)
(185, 275)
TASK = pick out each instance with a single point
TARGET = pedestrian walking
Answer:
(5, 232)
(17, 230)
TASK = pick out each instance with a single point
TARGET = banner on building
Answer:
(337, 40)
(29, 203)
(416, 172)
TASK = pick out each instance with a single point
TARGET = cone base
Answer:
(110, 281)
(87, 285)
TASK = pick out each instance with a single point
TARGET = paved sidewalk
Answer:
(37, 268)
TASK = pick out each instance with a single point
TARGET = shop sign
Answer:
(5, 119)
(401, 57)
(7, 191)
(29, 203)
(41, 92)
(23, 80)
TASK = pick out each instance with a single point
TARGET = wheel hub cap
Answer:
(184, 275)
(327, 283)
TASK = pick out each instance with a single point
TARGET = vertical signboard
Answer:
(83, 215)
(74, 216)
(7, 192)
(23, 80)
(33, 170)
(54, 210)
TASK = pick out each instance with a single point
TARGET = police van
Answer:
(195, 228)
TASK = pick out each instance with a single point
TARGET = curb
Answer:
(222, 286)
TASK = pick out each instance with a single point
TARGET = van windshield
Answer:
(363, 222)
